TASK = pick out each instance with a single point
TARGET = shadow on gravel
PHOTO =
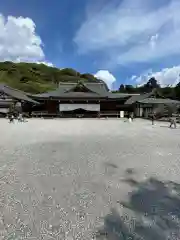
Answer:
(152, 212)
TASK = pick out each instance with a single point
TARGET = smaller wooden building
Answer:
(13, 98)
(154, 101)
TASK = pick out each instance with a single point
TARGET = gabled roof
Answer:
(96, 90)
(44, 95)
(58, 93)
(79, 88)
(155, 93)
(64, 87)
(136, 98)
(15, 94)
(78, 95)
(100, 88)
(66, 90)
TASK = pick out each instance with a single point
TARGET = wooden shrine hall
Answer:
(87, 99)
(81, 99)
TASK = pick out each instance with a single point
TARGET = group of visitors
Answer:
(15, 112)
(15, 116)
(172, 119)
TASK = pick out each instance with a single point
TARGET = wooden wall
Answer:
(52, 106)
(113, 105)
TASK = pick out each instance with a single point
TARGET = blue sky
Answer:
(121, 41)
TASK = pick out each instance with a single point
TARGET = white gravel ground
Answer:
(66, 179)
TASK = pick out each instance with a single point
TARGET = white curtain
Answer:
(71, 107)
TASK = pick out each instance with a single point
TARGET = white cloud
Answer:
(167, 76)
(19, 40)
(135, 31)
(107, 77)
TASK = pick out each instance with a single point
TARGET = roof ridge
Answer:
(15, 89)
(95, 83)
(67, 82)
(82, 82)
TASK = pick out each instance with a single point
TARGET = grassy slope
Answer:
(38, 78)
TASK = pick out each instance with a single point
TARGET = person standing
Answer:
(173, 121)
(153, 117)
(20, 117)
(132, 116)
(11, 118)
(129, 117)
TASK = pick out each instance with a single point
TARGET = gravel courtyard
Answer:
(89, 179)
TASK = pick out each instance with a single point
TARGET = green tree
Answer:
(69, 72)
(122, 88)
(168, 92)
(89, 77)
(151, 84)
(177, 91)
(129, 89)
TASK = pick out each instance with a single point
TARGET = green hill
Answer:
(38, 78)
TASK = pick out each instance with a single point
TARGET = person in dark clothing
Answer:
(11, 118)
(172, 121)
(153, 118)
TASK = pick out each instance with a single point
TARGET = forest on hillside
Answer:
(38, 78)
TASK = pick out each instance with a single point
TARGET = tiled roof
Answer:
(65, 90)
(121, 95)
(140, 97)
(15, 94)
(158, 101)
(64, 87)
(76, 95)
(136, 98)
(97, 90)
(44, 95)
